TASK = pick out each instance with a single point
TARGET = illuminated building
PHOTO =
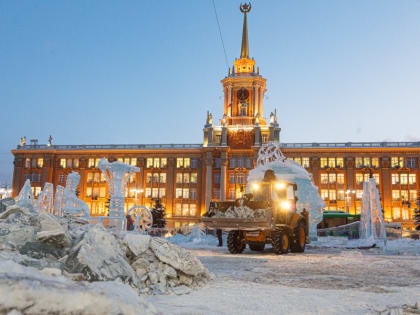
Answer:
(188, 176)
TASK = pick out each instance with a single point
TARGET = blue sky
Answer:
(146, 71)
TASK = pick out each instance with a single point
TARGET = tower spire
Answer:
(245, 8)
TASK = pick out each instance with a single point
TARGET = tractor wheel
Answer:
(281, 242)
(299, 239)
(256, 246)
(235, 242)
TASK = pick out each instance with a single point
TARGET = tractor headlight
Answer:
(255, 186)
(279, 186)
(286, 205)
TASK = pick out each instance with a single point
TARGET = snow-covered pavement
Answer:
(320, 281)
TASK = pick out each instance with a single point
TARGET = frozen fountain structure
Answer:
(71, 204)
(270, 157)
(26, 198)
(116, 175)
(45, 202)
(59, 200)
(372, 225)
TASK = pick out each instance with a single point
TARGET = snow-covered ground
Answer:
(323, 280)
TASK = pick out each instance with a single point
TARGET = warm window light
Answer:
(280, 186)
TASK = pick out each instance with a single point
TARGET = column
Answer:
(257, 100)
(260, 99)
(223, 168)
(209, 172)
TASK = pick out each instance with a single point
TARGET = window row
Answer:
(185, 210)
(33, 177)
(93, 162)
(362, 162)
(127, 160)
(155, 178)
(404, 195)
(333, 195)
(400, 162)
(302, 161)
(69, 163)
(186, 163)
(360, 178)
(332, 178)
(95, 192)
(186, 193)
(156, 162)
(403, 179)
(332, 162)
(155, 192)
(398, 213)
(237, 179)
(35, 162)
(36, 191)
(95, 177)
(186, 178)
(240, 162)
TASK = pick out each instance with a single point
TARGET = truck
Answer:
(278, 221)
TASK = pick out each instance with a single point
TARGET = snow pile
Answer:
(69, 248)
(196, 239)
(290, 171)
(242, 212)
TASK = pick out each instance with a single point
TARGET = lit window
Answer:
(263, 140)
(331, 162)
(179, 178)
(340, 195)
(298, 160)
(148, 192)
(162, 192)
(396, 195)
(120, 159)
(241, 179)
(89, 192)
(412, 179)
(397, 161)
(413, 195)
(163, 162)
(404, 179)
(96, 177)
(359, 162)
(91, 163)
(324, 178)
(155, 178)
(97, 162)
(324, 162)
(359, 194)
(155, 192)
(366, 162)
(185, 193)
(405, 214)
(193, 193)
(149, 162)
(76, 163)
(63, 163)
(332, 194)
(305, 162)
(179, 162)
(89, 177)
(163, 178)
(396, 213)
(27, 162)
(148, 178)
(178, 192)
(95, 192)
(178, 208)
(340, 162)
(185, 210)
(133, 162)
(332, 178)
(193, 178)
(156, 163)
(126, 160)
(375, 162)
(366, 177)
(404, 195)
(324, 194)
(340, 178)
(193, 209)
(376, 177)
(102, 177)
(359, 178)
(395, 178)
(232, 194)
(132, 178)
(102, 192)
(37, 191)
(40, 162)
(187, 162)
(186, 178)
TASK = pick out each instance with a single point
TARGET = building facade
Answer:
(188, 176)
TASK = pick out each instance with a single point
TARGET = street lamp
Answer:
(348, 199)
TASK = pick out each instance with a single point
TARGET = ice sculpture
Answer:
(59, 200)
(271, 157)
(116, 175)
(143, 216)
(72, 204)
(45, 203)
(372, 225)
(25, 198)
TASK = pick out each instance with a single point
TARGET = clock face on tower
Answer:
(243, 94)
